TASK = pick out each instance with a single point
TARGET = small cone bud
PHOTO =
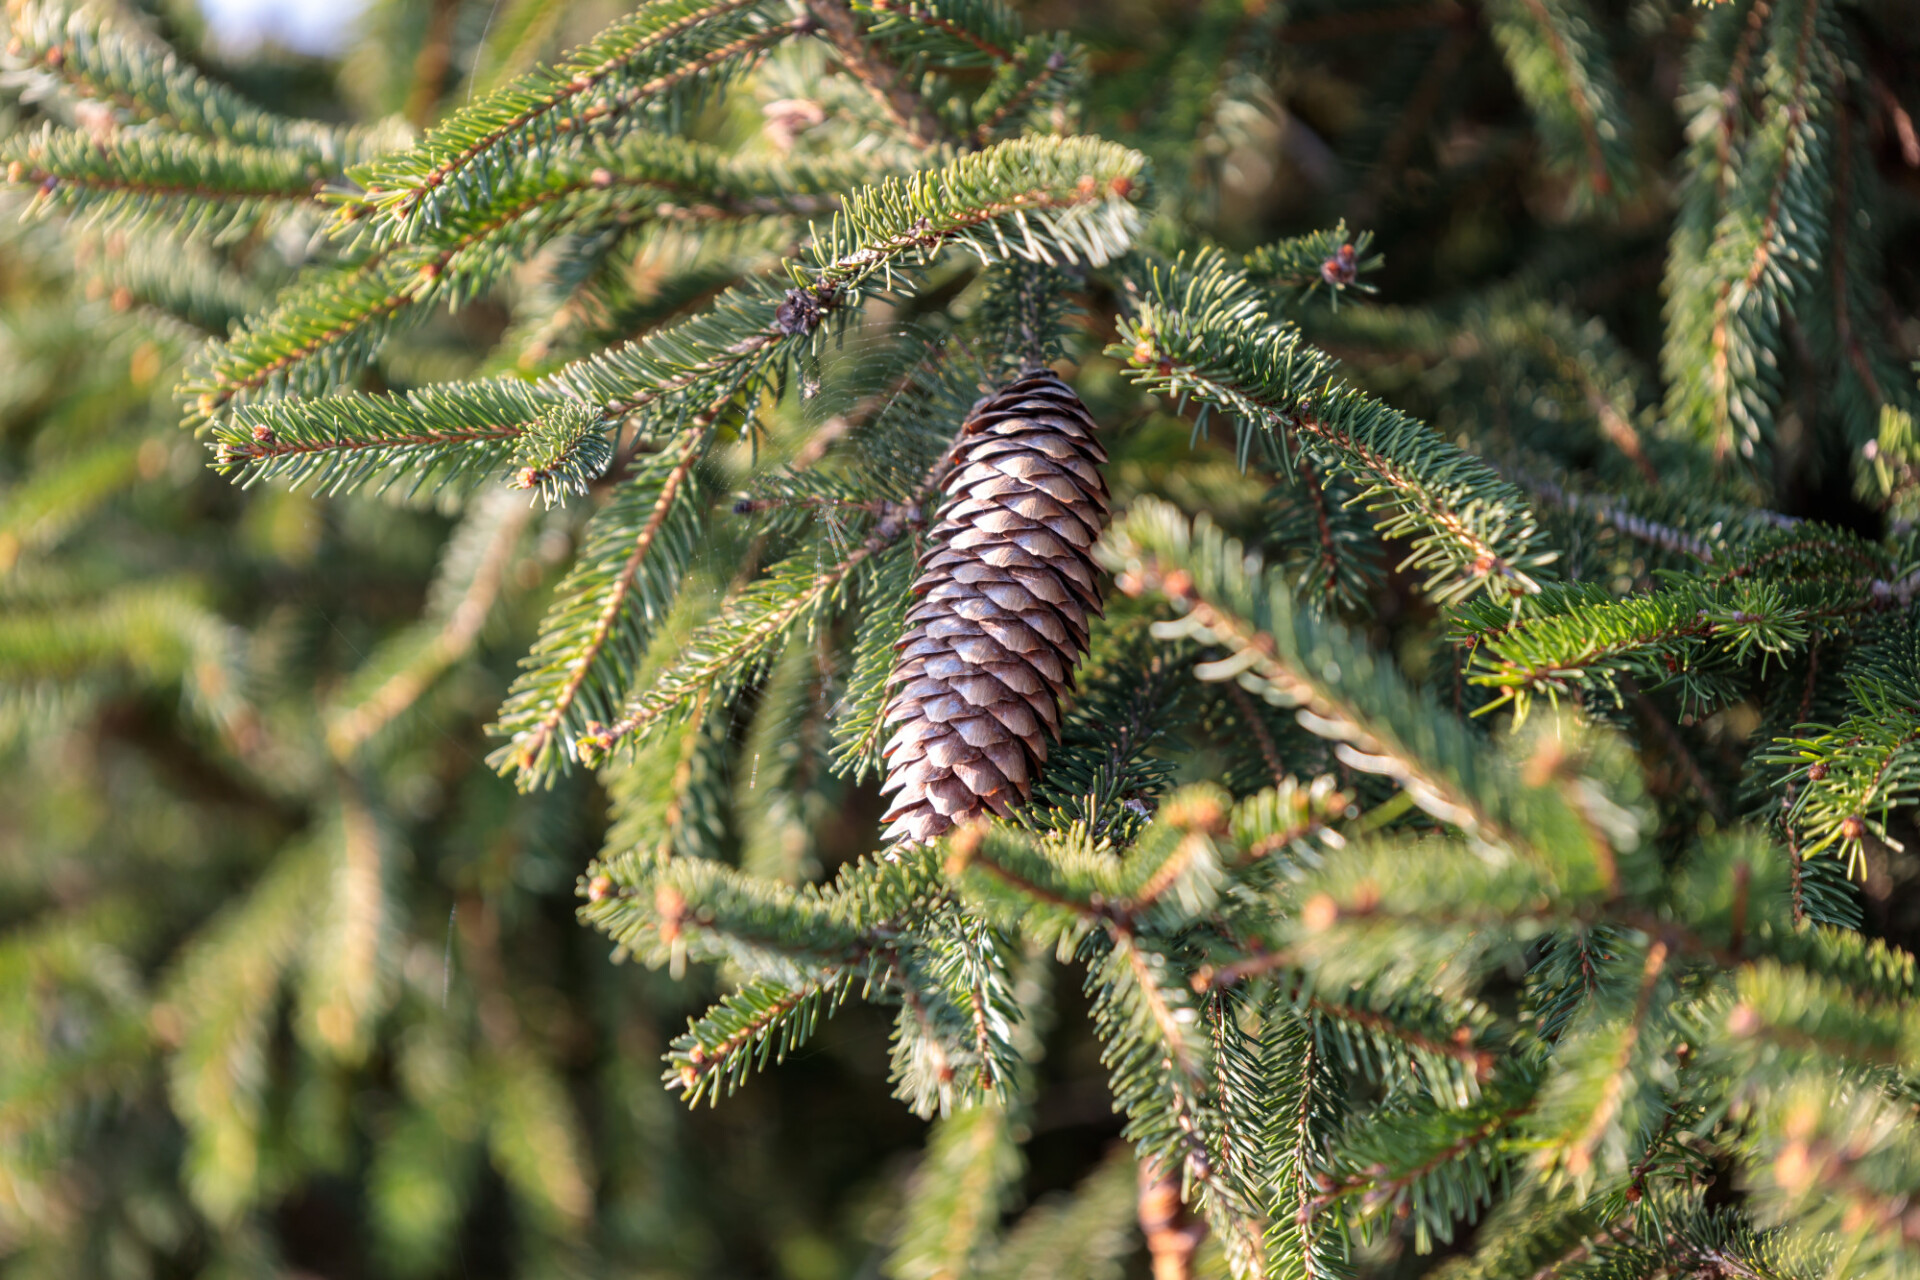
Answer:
(1005, 595)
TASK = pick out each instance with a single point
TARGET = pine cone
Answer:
(1002, 620)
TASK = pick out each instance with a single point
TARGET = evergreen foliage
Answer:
(1477, 841)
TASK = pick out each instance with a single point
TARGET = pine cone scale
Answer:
(1001, 618)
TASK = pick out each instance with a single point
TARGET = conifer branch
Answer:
(886, 82)
(1226, 602)
(1359, 967)
(1200, 329)
(1159, 1065)
(426, 440)
(92, 53)
(1561, 70)
(1022, 95)
(1455, 1052)
(641, 60)
(743, 1031)
(322, 333)
(627, 575)
(1614, 512)
(729, 652)
(1066, 199)
(1582, 1117)
(1729, 289)
(860, 728)
(1443, 1169)
(1303, 1244)
(229, 981)
(1333, 259)
(964, 1182)
(177, 183)
(1581, 641)
(983, 28)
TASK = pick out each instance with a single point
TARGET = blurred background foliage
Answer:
(291, 983)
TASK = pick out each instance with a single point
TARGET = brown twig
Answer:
(1721, 370)
(1576, 97)
(884, 80)
(431, 63)
(1255, 725)
(1173, 1234)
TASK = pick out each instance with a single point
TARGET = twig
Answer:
(907, 108)
(1173, 1235)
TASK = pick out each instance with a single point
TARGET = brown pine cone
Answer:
(1002, 619)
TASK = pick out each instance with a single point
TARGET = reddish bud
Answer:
(672, 907)
(1340, 269)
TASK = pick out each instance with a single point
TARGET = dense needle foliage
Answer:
(458, 505)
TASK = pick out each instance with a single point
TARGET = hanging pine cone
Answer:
(1002, 619)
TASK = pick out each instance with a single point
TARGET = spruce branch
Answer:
(655, 60)
(1579, 641)
(1299, 266)
(1617, 513)
(322, 333)
(426, 441)
(1200, 329)
(730, 652)
(1560, 67)
(956, 1197)
(1599, 1099)
(1066, 200)
(188, 186)
(1437, 1165)
(761, 1022)
(1851, 777)
(1729, 292)
(346, 981)
(1045, 74)
(92, 52)
(887, 83)
(317, 336)
(859, 728)
(1835, 1164)
(667, 910)
(1381, 726)
(629, 571)
(956, 32)
(1309, 1102)
(1384, 1036)
(1159, 1067)
(1870, 384)
(218, 1002)
(670, 801)
(561, 451)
